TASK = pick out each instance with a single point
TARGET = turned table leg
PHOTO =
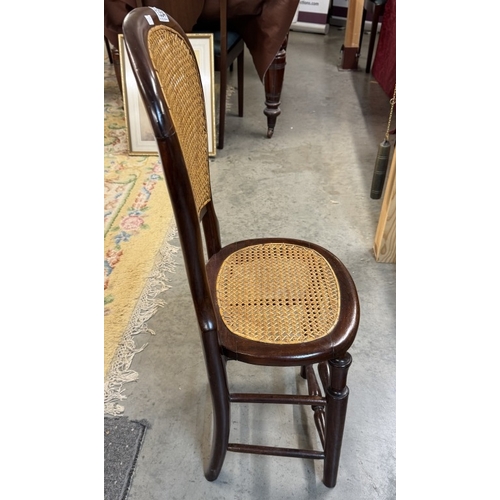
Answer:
(115, 54)
(273, 83)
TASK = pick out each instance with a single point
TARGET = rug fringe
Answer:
(119, 372)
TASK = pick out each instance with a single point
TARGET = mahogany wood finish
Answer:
(183, 168)
(108, 50)
(223, 60)
(273, 85)
(115, 59)
(323, 349)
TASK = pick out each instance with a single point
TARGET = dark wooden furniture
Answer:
(269, 302)
(263, 25)
(273, 84)
(377, 10)
(108, 50)
(228, 48)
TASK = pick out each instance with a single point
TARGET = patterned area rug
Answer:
(138, 223)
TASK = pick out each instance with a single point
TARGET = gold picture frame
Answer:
(203, 46)
(141, 139)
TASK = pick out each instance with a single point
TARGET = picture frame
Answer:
(141, 139)
(203, 46)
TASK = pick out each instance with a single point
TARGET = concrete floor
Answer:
(310, 181)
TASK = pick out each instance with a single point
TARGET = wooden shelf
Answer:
(384, 245)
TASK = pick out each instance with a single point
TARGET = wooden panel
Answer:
(350, 49)
(384, 245)
(353, 23)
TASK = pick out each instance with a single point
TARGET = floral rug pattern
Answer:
(138, 223)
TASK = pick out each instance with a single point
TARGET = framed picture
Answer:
(141, 139)
(203, 46)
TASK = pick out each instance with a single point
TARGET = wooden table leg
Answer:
(273, 84)
(115, 54)
(351, 48)
(384, 245)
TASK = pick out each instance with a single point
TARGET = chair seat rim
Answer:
(335, 343)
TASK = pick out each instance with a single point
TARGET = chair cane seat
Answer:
(281, 301)
(278, 293)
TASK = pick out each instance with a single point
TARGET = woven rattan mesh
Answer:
(278, 293)
(179, 78)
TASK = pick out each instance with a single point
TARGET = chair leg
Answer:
(116, 63)
(363, 21)
(220, 405)
(337, 395)
(241, 62)
(222, 106)
(108, 50)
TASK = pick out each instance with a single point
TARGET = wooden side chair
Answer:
(228, 48)
(270, 302)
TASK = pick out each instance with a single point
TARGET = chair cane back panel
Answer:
(177, 68)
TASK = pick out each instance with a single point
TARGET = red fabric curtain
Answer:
(384, 64)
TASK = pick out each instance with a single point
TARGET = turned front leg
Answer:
(273, 84)
(337, 395)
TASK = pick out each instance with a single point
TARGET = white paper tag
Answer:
(161, 15)
(149, 19)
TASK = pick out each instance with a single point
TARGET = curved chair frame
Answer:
(165, 68)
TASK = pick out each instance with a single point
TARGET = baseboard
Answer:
(340, 22)
(310, 27)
